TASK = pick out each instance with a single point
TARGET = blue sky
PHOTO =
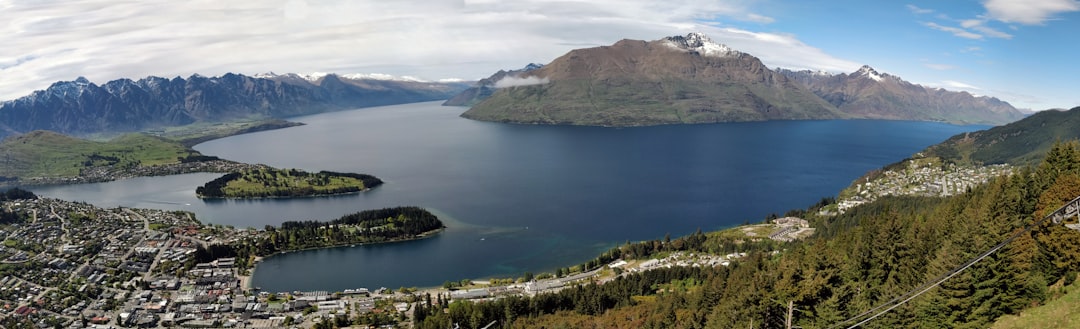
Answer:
(1025, 58)
(1016, 50)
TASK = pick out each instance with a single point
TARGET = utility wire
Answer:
(911, 294)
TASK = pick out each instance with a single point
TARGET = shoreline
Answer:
(281, 197)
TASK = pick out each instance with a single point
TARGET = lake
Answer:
(520, 198)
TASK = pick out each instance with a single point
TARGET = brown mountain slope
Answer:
(631, 83)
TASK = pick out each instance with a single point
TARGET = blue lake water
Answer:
(522, 198)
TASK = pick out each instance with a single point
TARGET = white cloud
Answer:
(969, 23)
(954, 30)
(920, 11)
(759, 18)
(959, 85)
(991, 32)
(979, 25)
(1030, 12)
(428, 39)
(509, 81)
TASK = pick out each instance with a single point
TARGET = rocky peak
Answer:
(869, 72)
(701, 44)
(531, 66)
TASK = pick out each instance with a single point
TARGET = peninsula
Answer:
(271, 183)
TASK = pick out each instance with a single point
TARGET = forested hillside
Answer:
(858, 260)
(1022, 142)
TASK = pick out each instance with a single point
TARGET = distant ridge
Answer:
(81, 107)
(866, 93)
(486, 87)
(692, 79)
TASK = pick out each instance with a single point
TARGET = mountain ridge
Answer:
(691, 79)
(869, 94)
(668, 81)
(80, 107)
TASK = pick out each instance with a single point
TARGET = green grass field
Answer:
(288, 183)
(1063, 312)
(48, 154)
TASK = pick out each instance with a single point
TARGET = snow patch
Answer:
(381, 76)
(869, 72)
(315, 76)
(700, 43)
(510, 81)
(267, 75)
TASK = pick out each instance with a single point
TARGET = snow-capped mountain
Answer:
(693, 79)
(81, 107)
(677, 79)
(700, 43)
(868, 72)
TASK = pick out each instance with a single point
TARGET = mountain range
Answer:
(868, 94)
(691, 79)
(81, 107)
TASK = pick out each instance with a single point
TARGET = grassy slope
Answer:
(1063, 312)
(48, 154)
(617, 102)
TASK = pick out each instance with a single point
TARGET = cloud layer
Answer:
(1026, 12)
(429, 39)
(1030, 12)
(510, 81)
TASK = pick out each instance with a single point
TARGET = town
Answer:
(920, 177)
(73, 265)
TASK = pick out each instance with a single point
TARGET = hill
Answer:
(49, 154)
(81, 107)
(1023, 142)
(631, 83)
(691, 79)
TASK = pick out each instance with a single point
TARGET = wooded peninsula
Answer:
(369, 226)
(271, 183)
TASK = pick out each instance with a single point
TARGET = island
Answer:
(268, 182)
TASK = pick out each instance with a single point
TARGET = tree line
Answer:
(369, 226)
(11, 217)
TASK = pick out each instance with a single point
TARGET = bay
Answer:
(520, 198)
